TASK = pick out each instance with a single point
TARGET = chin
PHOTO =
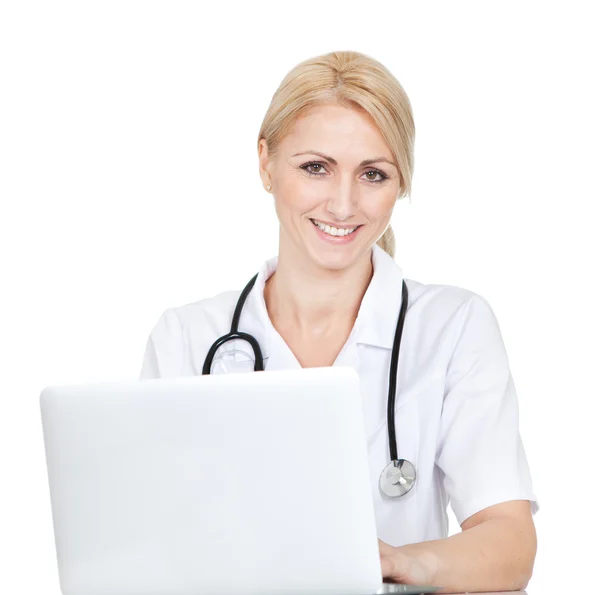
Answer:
(334, 260)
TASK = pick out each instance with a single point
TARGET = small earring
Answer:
(269, 187)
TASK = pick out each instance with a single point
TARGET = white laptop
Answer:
(231, 484)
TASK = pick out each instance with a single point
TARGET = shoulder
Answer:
(466, 329)
(207, 313)
(209, 310)
(444, 301)
(453, 318)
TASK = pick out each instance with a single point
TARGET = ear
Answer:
(264, 165)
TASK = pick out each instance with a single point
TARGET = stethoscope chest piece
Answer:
(397, 478)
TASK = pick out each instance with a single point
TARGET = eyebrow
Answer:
(332, 160)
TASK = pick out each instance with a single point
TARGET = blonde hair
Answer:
(353, 80)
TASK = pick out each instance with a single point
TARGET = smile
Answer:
(334, 231)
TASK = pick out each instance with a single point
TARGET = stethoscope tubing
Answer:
(235, 334)
(393, 375)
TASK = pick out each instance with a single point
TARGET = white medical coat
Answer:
(457, 414)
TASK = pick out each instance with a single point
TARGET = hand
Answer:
(398, 566)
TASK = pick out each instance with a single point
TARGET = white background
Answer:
(129, 183)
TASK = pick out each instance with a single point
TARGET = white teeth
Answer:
(332, 231)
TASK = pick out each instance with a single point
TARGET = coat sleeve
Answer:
(480, 452)
(164, 353)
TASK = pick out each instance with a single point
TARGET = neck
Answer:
(314, 300)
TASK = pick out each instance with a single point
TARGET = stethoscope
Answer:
(399, 475)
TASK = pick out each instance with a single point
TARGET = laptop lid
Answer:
(240, 483)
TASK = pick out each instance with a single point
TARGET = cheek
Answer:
(378, 208)
(295, 196)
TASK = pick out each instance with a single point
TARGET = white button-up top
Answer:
(456, 416)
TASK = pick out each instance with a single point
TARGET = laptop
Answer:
(230, 484)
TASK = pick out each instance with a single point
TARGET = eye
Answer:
(307, 167)
(377, 172)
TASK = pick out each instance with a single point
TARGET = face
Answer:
(331, 208)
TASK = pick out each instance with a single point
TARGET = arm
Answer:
(495, 552)
(483, 468)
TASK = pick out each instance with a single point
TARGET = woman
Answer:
(336, 151)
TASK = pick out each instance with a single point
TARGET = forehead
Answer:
(337, 131)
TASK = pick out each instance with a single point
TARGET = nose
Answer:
(342, 204)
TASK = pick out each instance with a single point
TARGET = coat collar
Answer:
(380, 307)
(378, 313)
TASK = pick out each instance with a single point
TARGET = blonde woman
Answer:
(336, 151)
